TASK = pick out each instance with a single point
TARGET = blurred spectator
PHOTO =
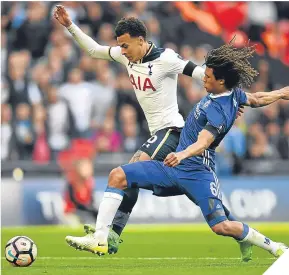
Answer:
(106, 35)
(258, 20)
(130, 129)
(113, 11)
(24, 133)
(284, 111)
(41, 152)
(200, 54)
(59, 123)
(4, 92)
(103, 97)
(187, 52)
(34, 32)
(264, 75)
(107, 139)
(140, 8)
(86, 65)
(21, 89)
(272, 131)
(283, 144)
(261, 149)
(78, 94)
(232, 150)
(79, 204)
(270, 114)
(4, 52)
(94, 16)
(6, 132)
(154, 30)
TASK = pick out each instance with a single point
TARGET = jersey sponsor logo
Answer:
(139, 85)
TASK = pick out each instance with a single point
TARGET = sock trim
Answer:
(245, 233)
(114, 190)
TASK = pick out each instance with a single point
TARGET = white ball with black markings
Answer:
(20, 251)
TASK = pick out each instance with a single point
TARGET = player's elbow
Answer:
(255, 102)
(203, 146)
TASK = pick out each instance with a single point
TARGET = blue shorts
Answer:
(200, 186)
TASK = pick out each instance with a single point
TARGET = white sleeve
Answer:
(93, 48)
(174, 64)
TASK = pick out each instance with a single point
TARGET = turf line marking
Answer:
(138, 258)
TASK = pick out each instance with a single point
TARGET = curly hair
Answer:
(232, 65)
(131, 25)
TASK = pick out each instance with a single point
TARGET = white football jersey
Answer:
(154, 79)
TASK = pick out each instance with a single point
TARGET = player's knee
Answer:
(117, 178)
(222, 228)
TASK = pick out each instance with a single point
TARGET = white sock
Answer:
(258, 239)
(106, 212)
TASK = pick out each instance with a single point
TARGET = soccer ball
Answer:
(20, 251)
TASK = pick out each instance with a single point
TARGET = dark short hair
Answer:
(232, 65)
(131, 25)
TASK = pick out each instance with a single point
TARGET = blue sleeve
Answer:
(242, 98)
(216, 122)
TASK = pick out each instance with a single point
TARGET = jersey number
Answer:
(150, 141)
(215, 189)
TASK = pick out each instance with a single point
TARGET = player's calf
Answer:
(244, 233)
(228, 228)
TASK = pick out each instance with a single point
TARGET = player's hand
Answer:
(61, 15)
(285, 92)
(240, 111)
(173, 159)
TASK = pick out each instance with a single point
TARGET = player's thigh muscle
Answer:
(161, 144)
(204, 190)
(151, 175)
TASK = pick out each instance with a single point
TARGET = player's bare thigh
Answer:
(140, 156)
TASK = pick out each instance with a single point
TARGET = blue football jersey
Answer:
(216, 113)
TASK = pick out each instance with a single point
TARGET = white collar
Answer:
(222, 94)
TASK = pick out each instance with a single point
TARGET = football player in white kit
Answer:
(153, 73)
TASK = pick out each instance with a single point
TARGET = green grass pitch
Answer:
(147, 249)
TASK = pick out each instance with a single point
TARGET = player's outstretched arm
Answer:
(261, 99)
(85, 42)
(205, 139)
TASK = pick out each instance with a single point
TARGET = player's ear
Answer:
(141, 40)
(222, 81)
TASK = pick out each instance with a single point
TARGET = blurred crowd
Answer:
(53, 93)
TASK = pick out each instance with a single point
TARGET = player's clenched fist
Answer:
(173, 159)
(61, 15)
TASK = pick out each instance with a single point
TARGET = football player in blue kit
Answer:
(190, 170)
